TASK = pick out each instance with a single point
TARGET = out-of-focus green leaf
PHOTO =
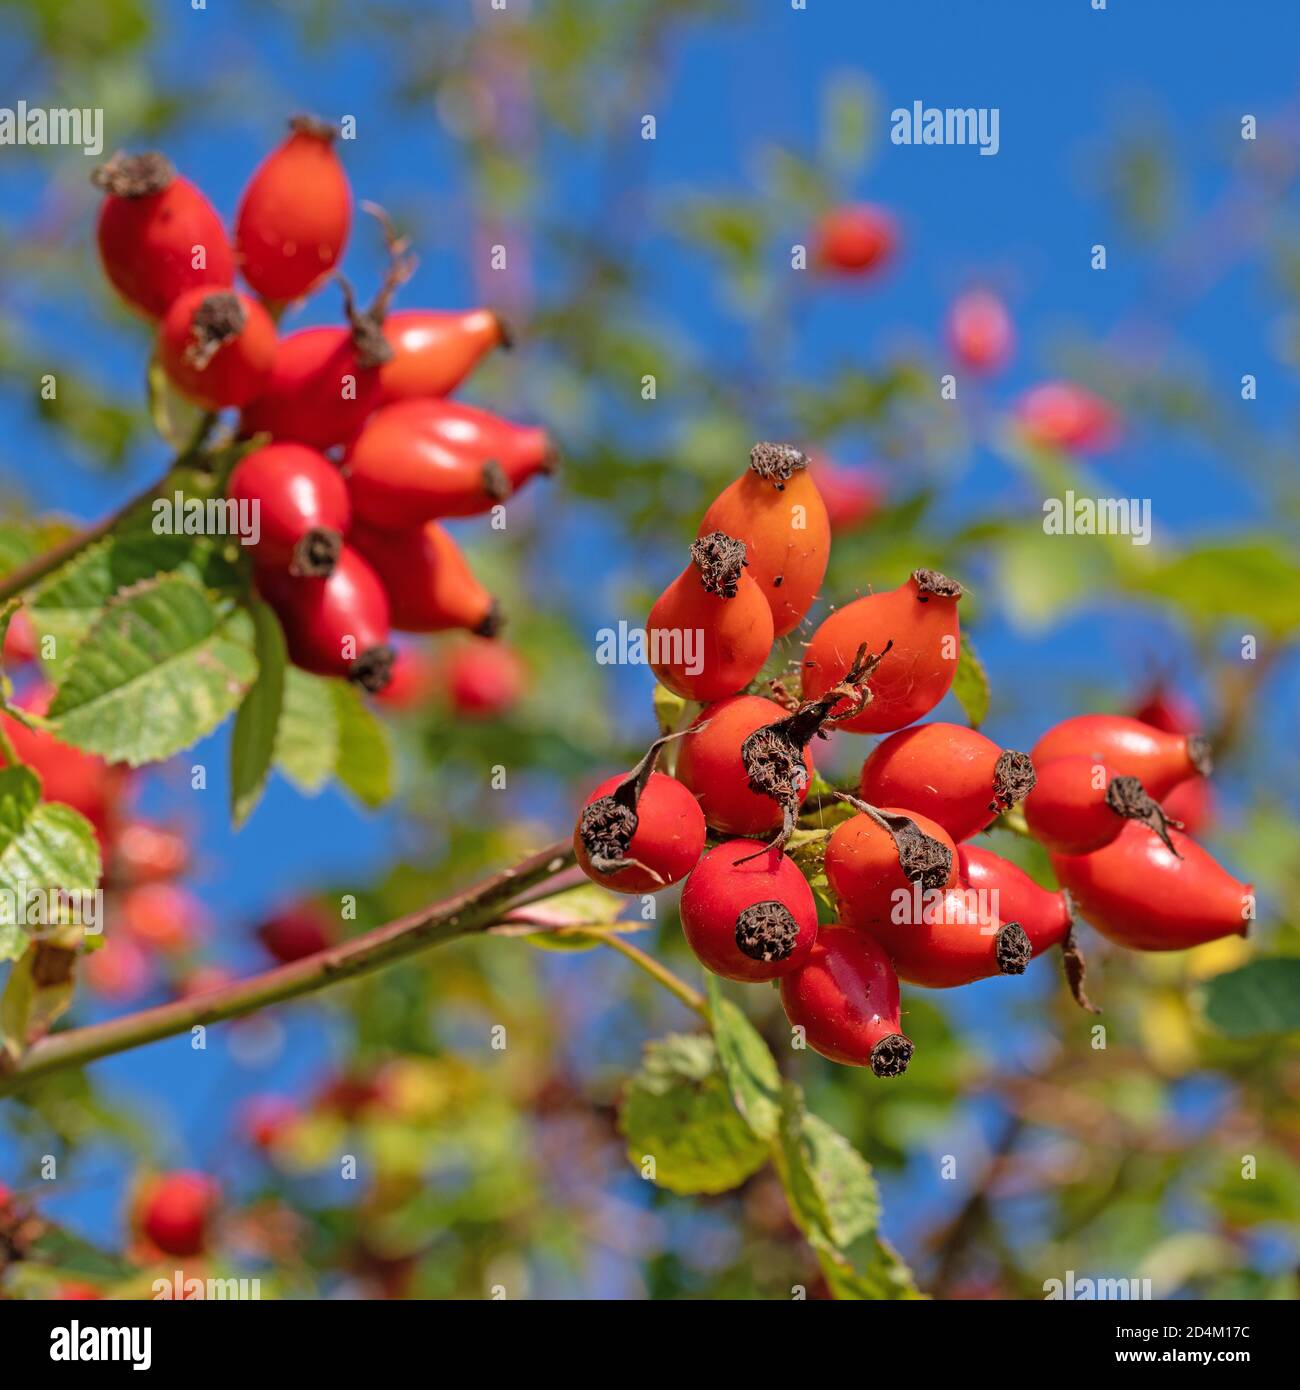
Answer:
(1253, 581)
(971, 684)
(1260, 998)
(747, 1063)
(252, 744)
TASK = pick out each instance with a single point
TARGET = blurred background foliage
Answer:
(629, 259)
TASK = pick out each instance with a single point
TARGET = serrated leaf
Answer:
(252, 746)
(43, 845)
(161, 668)
(747, 1063)
(876, 1272)
(365, 755)
(1258, 999)
(677, 1110)
(971, 684)
(307, 741)
(830, 1187)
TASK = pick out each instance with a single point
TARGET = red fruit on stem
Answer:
(1061, 415)
(294, 216)
(483, 678)
(854, 239)
(1043, 916)
(877, 860)
(434, 350)
(162, 917)
(519, 451)
(953, 774)
(774, 508)
(174, 1211)
(297, 932)
(1128, 748)
(217, 347)
(1141, 895)
(158, 235)
(1170, 710)
(323, 384)
(337, 626)
(916, 629)
(748, 913)
(430, 585)
(302, 506)
(1192, 803)
(711, 764)
(710, 631)
(845, 998)
(1079, 806)
(980, 331)
(640, 831)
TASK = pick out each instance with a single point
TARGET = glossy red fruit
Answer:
(174, 1212)
(878, 859)
(919, 618)
(952, 937)
(402, 469)
(337, 626)
(484, 679)
(980, 331)
(640, 831)
(323, 384)
(519, 451)
(163, 917)
(710, 631)
(158, 235)
(1193, 804)
(775, 509)
(414, 680)
(434, 350)
(1013, 896)
(1061, 415)
(854, 239)
(297, 932)
(144, 851)
(430, 585)
(1079, 806)
(952, 774)
(294, 216)
(852, 496)
(753, 920)
(302, 506)
(845, 998)
(710, 763)
(1128, 748)
(217, 347)
(1140, 895)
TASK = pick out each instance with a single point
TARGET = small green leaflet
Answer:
(971, 685)
(326, 731)
(252, 746)
(747, 1063)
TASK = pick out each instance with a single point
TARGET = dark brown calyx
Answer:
(719, 558)
(492, 623)
(1076, 968)
(1200, 754)
(316, 554)
(373, 669)
(932, 584)
(891, 1055)
(1014, 950)
(607, 824)
(1127, 797)
(495, 482)
(776, 463)
(506, 334)
(766, 932)
(316, 128)
(1013, 779)
(923, 859)
(52, 965)
(372, 347)
(218, 318)
(134, 175)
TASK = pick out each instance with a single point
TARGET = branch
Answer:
(469, 911)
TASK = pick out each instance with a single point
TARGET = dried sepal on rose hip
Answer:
(1080, 806)
(217, 347)
(1129, 748)
(639, 832)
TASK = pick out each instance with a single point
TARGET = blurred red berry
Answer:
(1061, 415)
(297, 932)
(484, 678)
(980, 331)
(162, 917)
(265, 1118)
(413, 679)
(143, 851)
(174, 1211)
(119, 970)
(852, 495)
(854, 239)
(1170, 710)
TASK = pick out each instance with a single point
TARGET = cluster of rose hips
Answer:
(914, 899)
(365, 453)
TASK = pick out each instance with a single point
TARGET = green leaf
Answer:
(365, 755)
(1260, 998)
(677, 1111)
(29, 1006)
(43, 845)
(971, 684)
(307, 741)
(1252, 581)
(252, 747)
(848, 115)
(876, 1273)
(160, 669)
(747, 1063)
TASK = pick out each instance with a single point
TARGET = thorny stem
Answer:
(472, 910)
